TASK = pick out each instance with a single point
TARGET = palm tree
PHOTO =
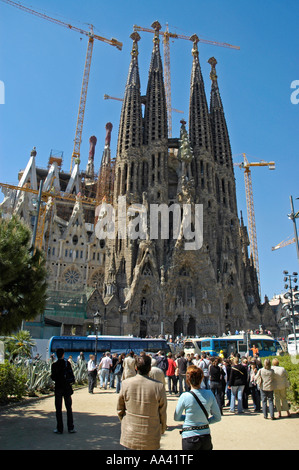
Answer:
(20, 344)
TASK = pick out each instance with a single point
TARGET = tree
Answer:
(23, 276)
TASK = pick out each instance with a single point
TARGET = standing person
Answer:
(181, 363)
(170, 373)
(161, 362)
(227, 391)
(105, 366)
(156, 373)
(254, 350)
(253, 387)
(196, 360)
(141, 408)
(204, 365)
(196, 431)
(265, 379)
(216, 376)
(63, 376)
(112, 369)
(129, 366)
(237, 382)
(118, 372)
(92, 373)
(246, 390)
(281, 385)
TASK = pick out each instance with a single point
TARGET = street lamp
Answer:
(289, 295)
(96, 321)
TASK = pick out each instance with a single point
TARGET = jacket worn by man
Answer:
(141, 408)
(63, 376)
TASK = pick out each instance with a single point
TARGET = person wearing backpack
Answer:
(162, 362)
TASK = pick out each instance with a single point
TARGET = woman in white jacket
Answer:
(266, 382)
(281, 386)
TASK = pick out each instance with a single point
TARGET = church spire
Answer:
(130, 128)
(155, 121)
(200, 132)
(221, 143)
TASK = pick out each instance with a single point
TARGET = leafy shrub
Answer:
(13, 382)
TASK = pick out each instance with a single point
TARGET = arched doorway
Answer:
(143, 329)
(191, 328)
(178, 326)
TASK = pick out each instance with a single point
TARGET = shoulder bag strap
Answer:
(200, 404)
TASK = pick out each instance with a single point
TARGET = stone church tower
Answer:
(160, 286)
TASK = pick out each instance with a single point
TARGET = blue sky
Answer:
(41, 66)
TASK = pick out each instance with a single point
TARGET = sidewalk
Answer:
(30, 427)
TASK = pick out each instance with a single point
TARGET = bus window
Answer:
(82, 345)
(66, 344)
(120, 345)
(152, 346)
(103, 345)
(269, 345)
(188, 344)
(258, 344)
(205, 345)
(232, 347)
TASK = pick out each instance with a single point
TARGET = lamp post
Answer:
(96, 321)
(289, 295)
(293, 216)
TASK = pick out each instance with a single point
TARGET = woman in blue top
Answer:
(196, 432)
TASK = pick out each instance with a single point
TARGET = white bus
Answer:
(291, 343)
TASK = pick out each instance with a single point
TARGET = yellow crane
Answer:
(246, 165)
(166, 51)
(91, 37)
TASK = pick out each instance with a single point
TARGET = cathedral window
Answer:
(71, 276)
(147, 270)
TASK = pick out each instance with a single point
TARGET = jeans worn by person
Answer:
(237, 393)
(216, 388)
(104, 378)
(267, 395)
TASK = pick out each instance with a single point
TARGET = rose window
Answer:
(71, 276)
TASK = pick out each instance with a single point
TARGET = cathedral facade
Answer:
(149, 285)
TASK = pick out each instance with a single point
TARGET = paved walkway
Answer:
(30, 426)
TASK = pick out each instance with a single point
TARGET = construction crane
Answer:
(284, 243)
(108, 97)
(250, 207)
(292, 216)
(166, 51)
(91, 37)
(47, 197)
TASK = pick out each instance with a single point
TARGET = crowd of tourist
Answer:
(232, 380)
